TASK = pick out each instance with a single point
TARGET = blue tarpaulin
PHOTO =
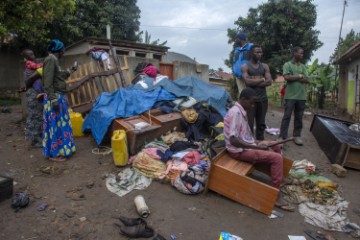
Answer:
(136, 99)
(194, 87)
(121, 104)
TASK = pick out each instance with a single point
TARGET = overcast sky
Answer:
(198, 28)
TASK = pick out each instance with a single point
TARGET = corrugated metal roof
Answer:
(171, 57)
(353, 52)
(121, 43)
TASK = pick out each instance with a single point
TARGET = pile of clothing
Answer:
(183, 163)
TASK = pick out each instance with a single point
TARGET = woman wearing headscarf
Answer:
(34, 105)
(58, 140)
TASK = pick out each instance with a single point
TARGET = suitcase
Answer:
(6, 188)
(137, 137)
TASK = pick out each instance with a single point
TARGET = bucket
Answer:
(119, 148)
(77, 123)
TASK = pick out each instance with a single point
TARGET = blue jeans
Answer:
(298, 107)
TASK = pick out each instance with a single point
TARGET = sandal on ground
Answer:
(285, 207)
(57, 159)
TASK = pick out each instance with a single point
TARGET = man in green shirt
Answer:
(296, 77)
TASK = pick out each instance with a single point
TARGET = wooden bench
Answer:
(231, 178)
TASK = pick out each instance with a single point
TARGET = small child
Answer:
(30, 66)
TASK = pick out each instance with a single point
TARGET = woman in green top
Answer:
(58, 140)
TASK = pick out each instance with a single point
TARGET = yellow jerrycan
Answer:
(119, 148)
(76, 123)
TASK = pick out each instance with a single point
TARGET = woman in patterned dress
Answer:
(58, 139)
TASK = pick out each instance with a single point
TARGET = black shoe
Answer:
(159, 237)
(131, 221)
(36, 144)
(137, 231)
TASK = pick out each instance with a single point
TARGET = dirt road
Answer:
(81, 207)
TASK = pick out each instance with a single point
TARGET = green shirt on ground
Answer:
(295, 90)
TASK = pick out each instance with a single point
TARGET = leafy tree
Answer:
(28, 19)
(278, 26)
(147, 39)
(91, 17)
(350, 39)
(35, 22)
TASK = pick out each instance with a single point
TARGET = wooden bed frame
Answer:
(86, 84)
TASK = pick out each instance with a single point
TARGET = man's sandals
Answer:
(282, 204)
(285, 207)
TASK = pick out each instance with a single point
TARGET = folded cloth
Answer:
(273, 131)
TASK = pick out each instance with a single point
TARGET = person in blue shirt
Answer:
(241, 56)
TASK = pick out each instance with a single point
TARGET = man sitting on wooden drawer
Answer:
(241, 145)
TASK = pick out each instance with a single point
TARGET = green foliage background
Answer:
(278, 26)
(35, 22)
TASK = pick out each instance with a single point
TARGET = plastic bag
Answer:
(20, 200)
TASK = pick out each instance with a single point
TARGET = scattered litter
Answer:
(20, 200)
(275, 214)
(228, 236)
(273, 131)
(42, 206)
(291, 237)
(5, 110)
(103, 150)
(303, 166)
(307, 113)
(126, 180)
(338, 170)
(173, 237)
(271, 216)
(192, 208)
(82, 219)
(141, 206)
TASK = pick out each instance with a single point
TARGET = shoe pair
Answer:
(135, 228)
(298, 141)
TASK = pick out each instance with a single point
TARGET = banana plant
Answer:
(321, 82)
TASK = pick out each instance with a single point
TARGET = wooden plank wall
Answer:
(90, 80)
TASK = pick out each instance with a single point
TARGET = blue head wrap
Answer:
(55, 46)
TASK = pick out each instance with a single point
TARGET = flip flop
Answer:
(314, 235)
(42, 206)
(286, 207)
(57, 159)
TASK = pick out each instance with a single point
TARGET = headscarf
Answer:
(55, 46)
(150, 71)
